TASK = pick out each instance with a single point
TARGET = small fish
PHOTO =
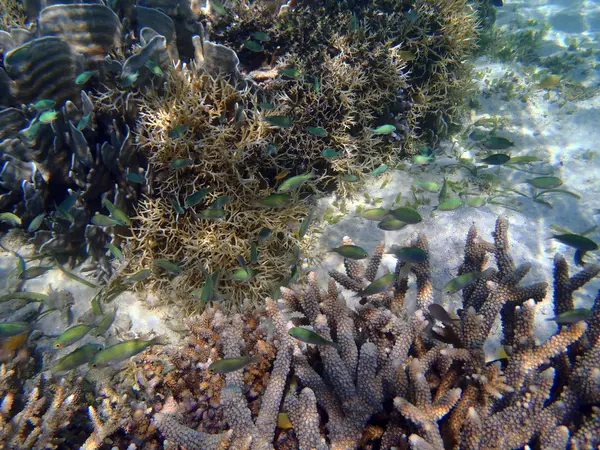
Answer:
(289, 72)
(271, 150)
(330, 153)
(545, 182)
(379, 170)
(84, 122)
(294, 183)
(317, 84)
(32, 130)
(284, 422)
(381, 284)
(525, 159)
(549, 82)
(140, 275)
(95, 304)
(68, 203)
(168, 266)
(281, 175)
(421, 159)
(65, 214)
(264, 234)
(177, 206)
(318, 131)
(447, 335)
(439, 313)
(154, 68)
(496, 159)
(242, 274)
(280, 121)
(443, 195)
(218, 8)
(276, 200)
(407, 55)
(429, 186)
(475, 202)
(72, 276)
(450, 204)
(25, 295)
(576, 241)
(213, 213)
(406, 215)
(384, 129)
(227, 365)
(261, 36)
(309, 337)
(8, 329)
(122, 351)
(76, 358)
(128, 80)
(497, 143)
(351, 251)
(181, 163)
(464, 280)
(48, 116)
(135, 177)
(254, 253)
(572, 316)
(376, 214)
(413, 255)
(349, 178)
(178, 131)
(116, 213)
(478, 135)
(196, 197)
(104, 221)
(105, 323)
(84, 77)
(305, 224)
(34, 272)
(391, 224)
(10, 218)
(266, 105)
(220, 202)
(72, 335)
(253, 46)
(43, 105)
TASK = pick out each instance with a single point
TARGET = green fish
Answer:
(406, 215)
(576, 241)
(66, 214)
(135, 177)
(122, 351)
(381, 284)
(128, 80)
(116, 251)
(439, 313)
(317, 84)
(220, 202)
(294, 183)
(478, 135)
(68, 203)
(168, 266)
(254, 253)
(8, 329)
(318, 131)
(271, 150)
(379, 170)
(48, 116)
(280, 121)
(525, 159)
(181, 163)
(43, 105)
(475, 202)
(32, 130)
(212, 214)
(264, 234)
(276, 200)
(289, 72)
(349, 178)
(10, 218)
(351, 251)
(266, 105)
(26, 295)
(177, 206)
(140, 275)
(391, 224)
(572, 316)
(421, 159)
(196, 197)
(105, 323)
(376, 214)
(449, 204)
(496, 160)
(227, 365)
(384, 129)
(545, 182)
(34, 272)
(76, 358)
(104, 221)
(253, 46)
(84, 77)
(305, 224)
(330, 153)
(178, 131)
(95, 304)
(84, 122)
(154, 68)
(116, 213)
(261, 36)
(497, 143)
(443, 195)
(72, 335)
(464, 280)
(309, 337)
(408, 254)
(218, 7)
(429, 186)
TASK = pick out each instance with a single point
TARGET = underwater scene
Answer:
(301, 224)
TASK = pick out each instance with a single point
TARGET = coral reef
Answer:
(393, 379)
